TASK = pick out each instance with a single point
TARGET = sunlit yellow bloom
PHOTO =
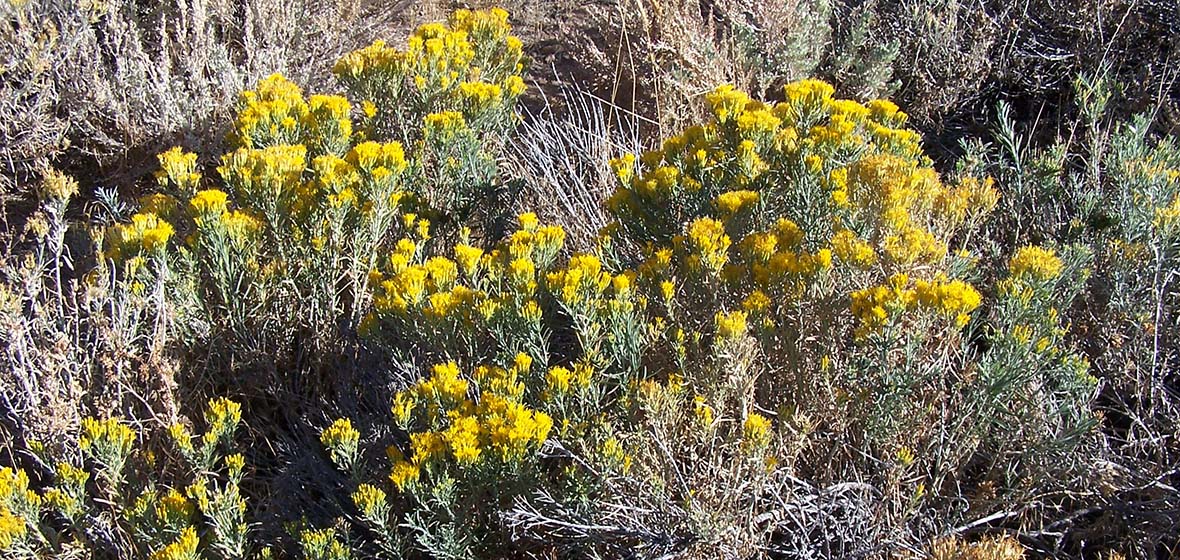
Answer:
(615, 456)
(755, 432)
(209, 201)
(12, 528)
(1035, 262)
(340, 437)
(404, 474)
(710, 243)
(953, 299)
(268, 115)
(730, 325)
(462, 439)
(370, 500)
(180, 168)
(425, 447)
(468, 258)
(174, 508)
(403, 407)
(110, 432)
(558, 380)
(732, 202)
(521, 274)
(808, 92)
(183, 548)
(727, 102)
(853, 250)
(756, 302)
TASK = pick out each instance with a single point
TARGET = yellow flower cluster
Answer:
(235, 464)
(322, 543)
(174, 509)
(969, 202)
(266, 176)
(271, 114)
(876, 306)
(341, 440)
(183, 548)
(278, 131)
(223, 415)
(497, 424)
(109, 433)
(580, 281)
(70, 475)
(726, 101)
(12, 528)
(472, 63)
(373, 156)
(146, 232)
(895, 198)
(755, 432)
(18, 506)
(702, 411)
(327, 124)
(479, 97)
(809, 93)
(504, 280)
(561, 380)
(370, 500)
(614, 456)
(340, 435)
(708, 245)
(730, 325)
(56, 185)
(732, 202)
(852, 250)
(880, 211)
(444, 124)
(209, 201)
(954, 299)
(14, 485)
(1166, 218)
(209, 210)
(1035, 263)
(179, 168)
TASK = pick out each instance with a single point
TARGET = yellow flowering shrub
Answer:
(314, 188)
(787, 296)
(471, 64)
(200, 513)
(816, 194)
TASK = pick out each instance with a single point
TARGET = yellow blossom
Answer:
(209, 201)
(462, 439)
(710, 243)
(558, 380)
(730, 325)
(404, 474)
(12, 528)
(702, 411)
(403, 407)
(755, 431)
(468, 258)
(174, 508)
(370, 500)
(183, 548)
(732, 202)
(1035, 262)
